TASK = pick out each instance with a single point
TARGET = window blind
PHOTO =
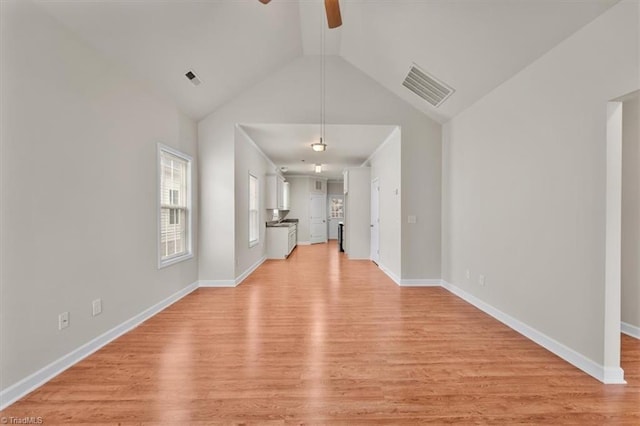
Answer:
(173, 205)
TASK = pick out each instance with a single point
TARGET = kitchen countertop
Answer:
(281, 225)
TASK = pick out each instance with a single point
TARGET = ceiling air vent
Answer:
(427, 86)
(193, 78)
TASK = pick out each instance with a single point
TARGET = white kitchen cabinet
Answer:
(281, 240)
(286, 196)
(275, 192)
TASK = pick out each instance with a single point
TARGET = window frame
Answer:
(253, 243)
(188, 253)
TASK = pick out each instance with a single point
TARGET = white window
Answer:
(254, 215)
(337, 208)
(174, 206)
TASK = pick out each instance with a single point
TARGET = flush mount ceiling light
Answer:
(318, 168)
(319, 146)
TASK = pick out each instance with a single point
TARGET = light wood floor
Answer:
(318, 339)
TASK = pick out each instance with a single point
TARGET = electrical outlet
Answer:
(468, 274)
(63, 320)
(481, 280)
(97, 307)
(412, 219)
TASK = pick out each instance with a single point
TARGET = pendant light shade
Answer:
(319, 146)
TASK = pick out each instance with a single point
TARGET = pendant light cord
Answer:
(322, 78)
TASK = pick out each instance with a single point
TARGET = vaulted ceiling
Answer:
(472, 45)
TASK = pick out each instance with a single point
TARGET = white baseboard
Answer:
(402, 282)
(249, 271)
(390, 274)
(421, 283)
(216, 283)
(232, 283)
(40, 377)
(304, 243)
(630, 330)
(607, 375)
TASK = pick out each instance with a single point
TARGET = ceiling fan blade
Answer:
(334, 19)
(264, 1)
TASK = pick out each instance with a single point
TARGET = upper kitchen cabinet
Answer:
(286, 196)
(275, 198)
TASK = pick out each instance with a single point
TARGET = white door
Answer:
(336, 214)
(375, 220)
(318, 220)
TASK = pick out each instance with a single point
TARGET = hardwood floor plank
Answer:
(318, 339)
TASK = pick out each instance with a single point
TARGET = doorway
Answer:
(318, 219)
(375, 221)
(336, 214)
(630, 252)
(616, 250)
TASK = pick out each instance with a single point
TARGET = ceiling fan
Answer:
(334, 19)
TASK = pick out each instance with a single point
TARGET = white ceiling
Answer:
(473, 45)
(289, 144)
(230, 44)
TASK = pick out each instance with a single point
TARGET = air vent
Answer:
(193, 78)
(427, 86)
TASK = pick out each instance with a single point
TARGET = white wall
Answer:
(79, 192)
(351, 98)
(217, 201)
(524, 184)
(385, 166)
(631, 211)
(299, 209)
(248, 159)
(334, 187)
(358, 213)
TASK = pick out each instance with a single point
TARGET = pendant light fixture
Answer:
(321, 146)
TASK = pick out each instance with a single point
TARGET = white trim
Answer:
(304, 243)
(421, 283)
(390, 274)
(189, 243)
(613, 235)
(403, 282)
(249, 271)
(253, 243)
(607, 375)
(380, 147)
(312, 176)
(40, 377)
(216, 283)
(630, 330)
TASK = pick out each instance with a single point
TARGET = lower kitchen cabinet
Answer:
(281, 240)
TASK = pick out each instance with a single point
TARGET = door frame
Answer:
(375, 256)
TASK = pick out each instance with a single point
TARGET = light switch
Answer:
(411, 219)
